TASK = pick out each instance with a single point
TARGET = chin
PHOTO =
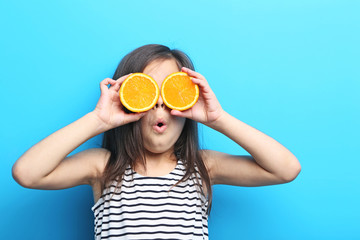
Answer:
(157, 150)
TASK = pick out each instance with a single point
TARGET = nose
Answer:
(159, 104)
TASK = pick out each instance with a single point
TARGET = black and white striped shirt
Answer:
(152, 208)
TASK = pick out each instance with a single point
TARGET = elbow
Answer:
(292, 175)
(20, 176)
(292, 171)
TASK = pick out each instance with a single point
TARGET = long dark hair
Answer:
(126, 143)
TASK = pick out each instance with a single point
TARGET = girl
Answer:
(150, 179)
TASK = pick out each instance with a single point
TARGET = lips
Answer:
(160, 126)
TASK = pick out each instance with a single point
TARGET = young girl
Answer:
(150, 180)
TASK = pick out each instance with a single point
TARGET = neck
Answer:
(159, 158)
(157, 163)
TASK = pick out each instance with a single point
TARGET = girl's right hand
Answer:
(109, 109)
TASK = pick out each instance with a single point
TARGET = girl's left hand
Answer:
(207, 109)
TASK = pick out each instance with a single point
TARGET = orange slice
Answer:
(179, 92)
(139, 92)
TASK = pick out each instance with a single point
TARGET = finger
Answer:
(184, 114)
(203, 84)
(116, 86)
(192, 73)
(108, 81)
(122, 78)
(104, 84)
(133, 117)
(119, 81)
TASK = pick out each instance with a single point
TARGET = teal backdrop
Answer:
(288, 68)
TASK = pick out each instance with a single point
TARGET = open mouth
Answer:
(160, 126)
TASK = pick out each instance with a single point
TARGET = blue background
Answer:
(287, 68)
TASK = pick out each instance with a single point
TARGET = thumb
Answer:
(133, 117)
(185, 114)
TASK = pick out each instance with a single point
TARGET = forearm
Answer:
(267, 152)
(45, 156)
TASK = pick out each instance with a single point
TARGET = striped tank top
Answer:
(152, 208)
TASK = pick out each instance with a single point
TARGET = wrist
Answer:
(219, 122)
(100, 126)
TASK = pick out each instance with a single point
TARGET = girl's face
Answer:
(160, 130)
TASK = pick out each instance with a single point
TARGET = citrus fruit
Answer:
(139, 92)
(179, 92)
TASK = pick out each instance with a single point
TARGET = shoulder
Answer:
(210, 158)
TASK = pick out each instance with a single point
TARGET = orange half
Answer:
(179, 92)
(139, 92)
